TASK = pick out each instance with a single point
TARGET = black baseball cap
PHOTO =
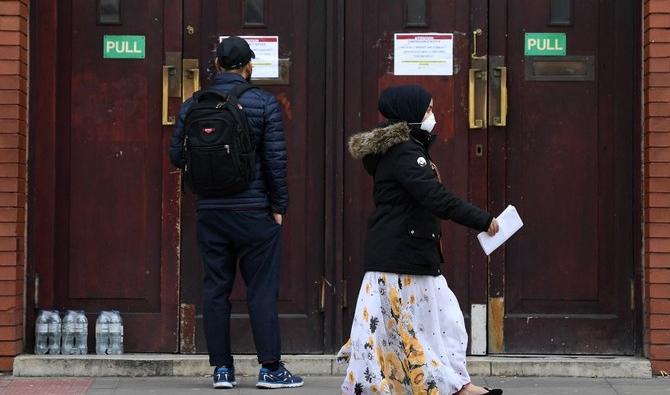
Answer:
(234, 52)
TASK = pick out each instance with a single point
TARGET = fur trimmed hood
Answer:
(378, 141)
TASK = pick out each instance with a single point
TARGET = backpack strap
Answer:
(200, 95)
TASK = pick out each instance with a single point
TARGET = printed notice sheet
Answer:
(266, 48)
(423, 54)
(509, 222)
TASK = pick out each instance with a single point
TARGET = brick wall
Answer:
(657, 182)
(13, 116)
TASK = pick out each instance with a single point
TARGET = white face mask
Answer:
(429, 123)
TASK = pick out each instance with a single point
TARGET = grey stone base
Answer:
(139, 365)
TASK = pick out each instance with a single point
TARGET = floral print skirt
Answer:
(408, 337)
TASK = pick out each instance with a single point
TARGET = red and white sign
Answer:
(266, 48)
(423, 54)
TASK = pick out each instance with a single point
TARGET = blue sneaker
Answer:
(224, 377)
(280, 378)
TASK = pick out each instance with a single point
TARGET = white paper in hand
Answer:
(509, 222)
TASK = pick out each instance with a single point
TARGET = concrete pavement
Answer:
(317, 386)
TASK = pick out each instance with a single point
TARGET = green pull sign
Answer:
(546, 44)
(123, 47)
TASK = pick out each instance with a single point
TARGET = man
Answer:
(244, 226)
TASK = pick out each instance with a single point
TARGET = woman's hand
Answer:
(493, 228)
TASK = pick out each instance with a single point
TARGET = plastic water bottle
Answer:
(81, 333)
(41, 330)
(54, 332)
(69, 342)
(102, 333)
(115, 334)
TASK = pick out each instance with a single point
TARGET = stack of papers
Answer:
(509, 222)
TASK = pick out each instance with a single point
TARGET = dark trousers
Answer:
(253, 238)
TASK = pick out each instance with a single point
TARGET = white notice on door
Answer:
(423, 54)
(266, 48)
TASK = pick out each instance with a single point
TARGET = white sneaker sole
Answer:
(225, 385)
(261, 384)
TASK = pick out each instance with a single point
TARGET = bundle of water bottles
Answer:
(69, 335)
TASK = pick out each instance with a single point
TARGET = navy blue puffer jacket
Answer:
(269, 189)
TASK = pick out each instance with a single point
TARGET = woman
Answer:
(408, 334)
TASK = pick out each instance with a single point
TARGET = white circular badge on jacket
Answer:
(422, 161)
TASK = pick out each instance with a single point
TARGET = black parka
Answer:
(404, 230)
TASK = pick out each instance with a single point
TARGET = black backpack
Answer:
(219, 147)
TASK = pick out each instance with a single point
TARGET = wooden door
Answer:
(300, 25)
(104, 198)
(566, 160)
(369, 68)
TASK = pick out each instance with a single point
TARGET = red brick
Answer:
(9, 259)
(651, 230)
(658, 139)
(11, 244)
(659, 154)
(658, 50)
(659, 321)
(658, 109)
(17, 273)
(653, 124)
(656, 260)
(657, 215)
(12, 97)
(16, 229)
(13, 170)
(13, 126)
(653, 245)
(13, 82)
(659, 94)
(9, 111)
(657, 20)
(660, 366)
(11, 332)
(11, 317)
(661, 352)
(660, 306)
(11, 288)
(11, 348)
(13, 8)
(15, 214)
(658, 79)
(15, 155)
(10, 302)
(14, 52)
(659, 337)
(12, 185)
(20, 38)
(658, 276)
(19, 141)
(656, 291)
(656, 185)
(653, 36)
(658, 200)
(653, 169)
(12, 200)
(653, 65)
(6, 364)
(20, 24)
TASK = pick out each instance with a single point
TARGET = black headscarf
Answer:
(404, 103)
(407, 103)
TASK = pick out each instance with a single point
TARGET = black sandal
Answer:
(493, 392)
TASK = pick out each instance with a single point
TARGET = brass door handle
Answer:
(167, 119)
(476, 34)
(501, 120)
(472, 82)
(190, 78)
